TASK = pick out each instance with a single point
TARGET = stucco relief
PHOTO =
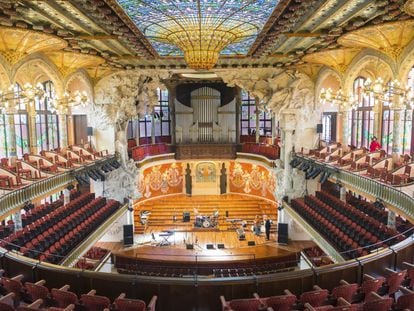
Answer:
(280, 91)
(123, 96)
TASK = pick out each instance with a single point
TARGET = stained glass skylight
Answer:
(198, 27)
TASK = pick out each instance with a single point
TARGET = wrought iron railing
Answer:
(388, 194)
(18, 197)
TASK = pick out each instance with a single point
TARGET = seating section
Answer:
(226, 269)
(92, 258)
(139, 153)
(317, 256)
(382, 293)
(351, 231)
(269, 151)
(52, 236)
(19, 295)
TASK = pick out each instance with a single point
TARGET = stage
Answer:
(174, 236)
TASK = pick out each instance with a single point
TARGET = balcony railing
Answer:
(388, 194)
(17, 198)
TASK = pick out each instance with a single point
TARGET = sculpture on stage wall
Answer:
(280, 90)
(118, 98)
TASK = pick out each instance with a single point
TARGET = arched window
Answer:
(248, 117)
(408, 130)
(47, 123)
(162, 120)
(21, 125)
(361, 118)
(4, 152)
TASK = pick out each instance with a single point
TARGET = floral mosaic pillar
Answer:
(63, 130)
(11, 133)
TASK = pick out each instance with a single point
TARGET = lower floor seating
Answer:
(381, 293)
(21, 296)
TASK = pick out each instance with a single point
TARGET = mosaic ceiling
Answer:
(159, 20)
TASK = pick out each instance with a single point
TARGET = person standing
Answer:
(268, 224)
(374, 145)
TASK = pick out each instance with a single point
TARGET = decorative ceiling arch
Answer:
(388, 38)
(5, 74)
(68, 62)
(17, 43)
(83, 81)
(35, 62)
(338, 59)
(324, 76)
(372, 62)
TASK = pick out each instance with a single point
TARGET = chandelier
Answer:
(328, 96)
(200, 30)
(12, 99)
(392, 92)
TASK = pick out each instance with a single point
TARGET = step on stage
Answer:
(203, 232)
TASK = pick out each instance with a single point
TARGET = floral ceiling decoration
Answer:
(200, 29)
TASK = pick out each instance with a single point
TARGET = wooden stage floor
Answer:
(145, 248)
(166, 215)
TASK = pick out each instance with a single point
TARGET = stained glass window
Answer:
(21, 125)
(3, 138)
(47, 122)
(408, 130)
(362, 118)
(249, 115)
(162, 119)
(160, 20)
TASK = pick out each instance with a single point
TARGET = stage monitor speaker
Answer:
(220, 246)
(210, 246)
(89, 131)
(282, 233)
(319, 128)
(189, 246)
(186, 216)
(128, 235)
(251, 243)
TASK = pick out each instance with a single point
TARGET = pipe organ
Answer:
(203, 118)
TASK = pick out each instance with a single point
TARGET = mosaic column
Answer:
(10, 132)
(17, 219)
(397, 133)
(171, 104)
(238, 109)
(66, 196)
(32, 131)
(345, 129)
(152, 129)
(289, 124)
(63, 130)
(257, 121)
(377, 120)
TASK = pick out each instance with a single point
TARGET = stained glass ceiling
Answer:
(170, 26)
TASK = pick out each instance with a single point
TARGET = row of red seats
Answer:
(317, 256)
(331, 231)
(140, 152)
(269, 151)
(382, 231)
(374, 294)
(87, 220)
(36, 296)
(92, 258)
(47, 224)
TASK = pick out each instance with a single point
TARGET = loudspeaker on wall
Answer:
(128, 235)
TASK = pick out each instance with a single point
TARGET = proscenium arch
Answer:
(49, 69)
(362, 61)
